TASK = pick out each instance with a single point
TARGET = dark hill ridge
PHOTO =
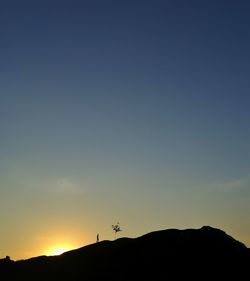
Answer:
(191, 254)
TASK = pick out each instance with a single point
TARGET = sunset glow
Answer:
(122, 111)
(58, 250)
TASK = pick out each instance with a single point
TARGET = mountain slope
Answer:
(193, 254)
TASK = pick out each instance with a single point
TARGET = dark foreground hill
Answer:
(192, 254)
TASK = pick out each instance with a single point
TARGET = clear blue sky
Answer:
(130, 111)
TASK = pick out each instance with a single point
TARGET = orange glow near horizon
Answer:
(59, 249)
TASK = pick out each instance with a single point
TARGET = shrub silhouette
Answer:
(116, 228)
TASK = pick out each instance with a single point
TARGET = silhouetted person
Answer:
(97, 237)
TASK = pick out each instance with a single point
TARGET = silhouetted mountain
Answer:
(192, 254)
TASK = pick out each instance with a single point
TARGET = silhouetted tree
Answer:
(116, 228)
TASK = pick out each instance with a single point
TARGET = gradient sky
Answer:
(132, 111)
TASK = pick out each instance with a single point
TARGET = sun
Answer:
(58, 250)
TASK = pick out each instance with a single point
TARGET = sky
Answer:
(122, 111)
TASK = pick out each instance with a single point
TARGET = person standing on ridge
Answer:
(97, 238)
